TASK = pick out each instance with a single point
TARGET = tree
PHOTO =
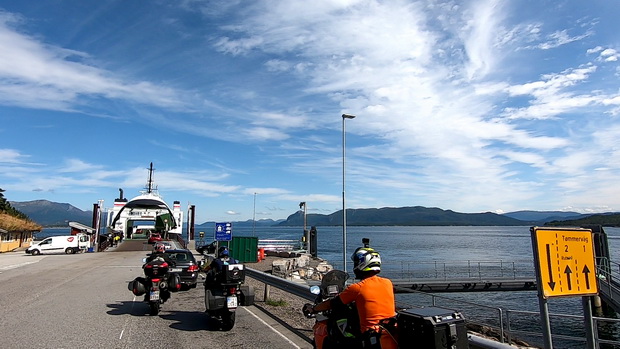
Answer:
(5, 206)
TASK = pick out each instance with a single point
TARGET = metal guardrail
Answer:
(296, 289)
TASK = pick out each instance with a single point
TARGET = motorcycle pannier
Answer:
(137, 286)
(214, 299)
(247, 295)
(234, 273)
(174, 282)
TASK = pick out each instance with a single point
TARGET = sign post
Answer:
(565, 266)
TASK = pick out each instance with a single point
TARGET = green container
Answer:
(244, 249)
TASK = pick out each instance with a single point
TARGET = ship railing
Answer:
(279, 245)
(464, 269)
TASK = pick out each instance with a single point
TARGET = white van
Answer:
(60, 244)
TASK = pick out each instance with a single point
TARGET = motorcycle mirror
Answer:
(315, 289)
(144, 260)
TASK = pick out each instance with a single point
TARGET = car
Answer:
(154, 237)
(186, 266)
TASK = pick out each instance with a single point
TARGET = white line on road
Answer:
(133, 301)
(274, 330)
(13, 266)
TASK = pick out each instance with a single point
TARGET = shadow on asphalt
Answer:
(191, 321)
(128, 307)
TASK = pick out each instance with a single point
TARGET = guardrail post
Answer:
(267, 291)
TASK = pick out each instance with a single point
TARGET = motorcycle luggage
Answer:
(214, 299)
(431, 327)
(247, 295)
(234, 273)
(155, 269)
(174, 282)
(137, 286)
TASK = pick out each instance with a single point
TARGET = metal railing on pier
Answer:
(464, 269)
(279, 245)
(608, 276)
(463, 276)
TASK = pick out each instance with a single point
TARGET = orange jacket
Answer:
(374, 299)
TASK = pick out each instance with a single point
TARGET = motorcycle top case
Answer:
(156, 269)
(234, 273)
(432, 328)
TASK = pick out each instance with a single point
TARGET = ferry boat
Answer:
(146, 209)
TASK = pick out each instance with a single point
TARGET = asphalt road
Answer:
(82, 300)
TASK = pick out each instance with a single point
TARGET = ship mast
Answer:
(149, 183)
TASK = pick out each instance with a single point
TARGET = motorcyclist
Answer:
(218, 264)
(373, 297)
(159, 251)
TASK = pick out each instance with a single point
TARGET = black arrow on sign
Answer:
(551, 283)
(567, 271)
(586, 271)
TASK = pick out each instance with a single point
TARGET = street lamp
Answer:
(344, 206)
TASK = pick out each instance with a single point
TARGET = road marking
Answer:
(13, 266)
(274, 330)
(133, 301)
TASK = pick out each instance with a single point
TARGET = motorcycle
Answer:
(337, 327)
(156, 285)
(224, 293)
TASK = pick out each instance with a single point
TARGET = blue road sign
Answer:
(223, 231)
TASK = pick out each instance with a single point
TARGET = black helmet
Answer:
(222, 252)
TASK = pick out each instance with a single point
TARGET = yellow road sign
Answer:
(565, 261)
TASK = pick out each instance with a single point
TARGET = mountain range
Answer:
(53, 214)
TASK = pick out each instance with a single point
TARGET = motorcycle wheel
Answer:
(154, 308)
(228, 320)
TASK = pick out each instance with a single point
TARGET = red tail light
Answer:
(154, 280)
(192, 268)
(232, 290)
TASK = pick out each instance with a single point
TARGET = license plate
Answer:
(154, 295)
(231, 302)
(176, 270)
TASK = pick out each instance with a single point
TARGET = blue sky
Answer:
(472, 106)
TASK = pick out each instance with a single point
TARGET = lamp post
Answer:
(344, 206)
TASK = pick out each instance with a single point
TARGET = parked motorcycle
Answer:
(224, 293)
(156, 285)
(337, 327)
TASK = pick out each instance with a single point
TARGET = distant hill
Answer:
(541, 217)
(53, 214)
(248, 223)
(606, 220)
(404, 216)
(49, 214)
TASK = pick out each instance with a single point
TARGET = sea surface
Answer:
(411, 245)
